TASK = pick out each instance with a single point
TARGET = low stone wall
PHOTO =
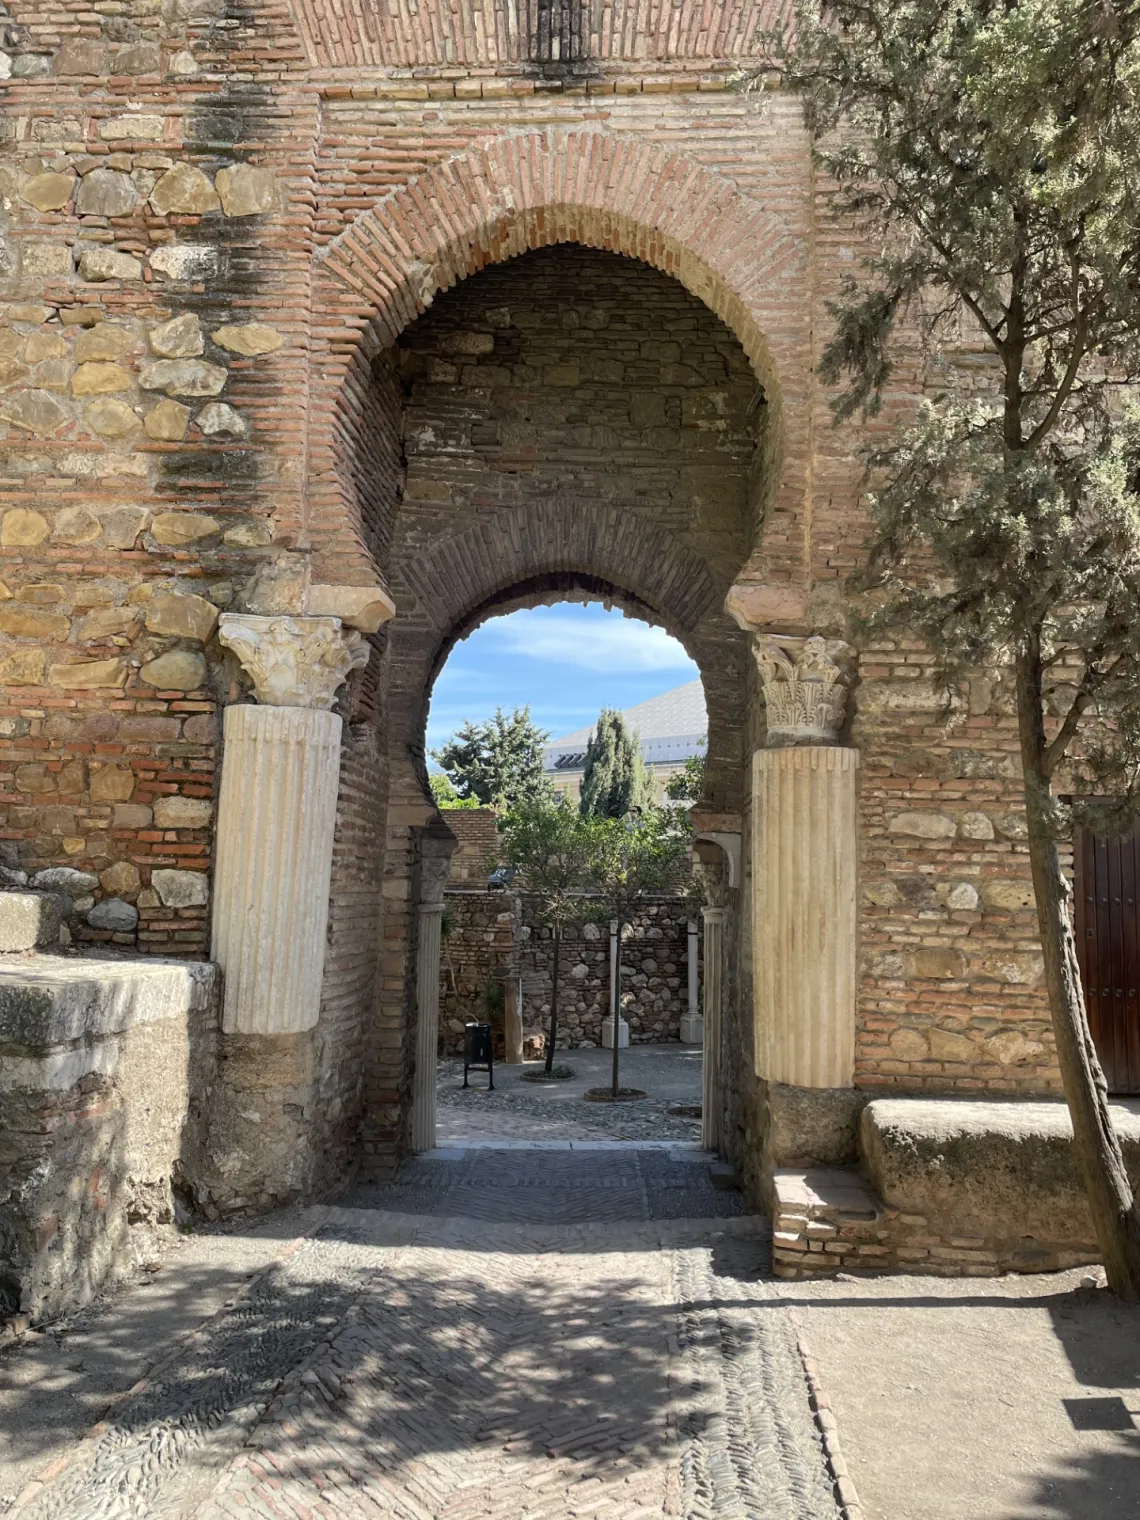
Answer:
(104, 1066)
(950, 1188)
(488, 939)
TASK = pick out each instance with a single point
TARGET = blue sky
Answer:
(567, 661)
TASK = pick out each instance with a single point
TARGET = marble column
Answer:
(711, 997)
(436, 846)
(276, 819)
(804, 866)
(692, 1032)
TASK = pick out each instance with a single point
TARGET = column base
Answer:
(692, 1029)
(608, 1034)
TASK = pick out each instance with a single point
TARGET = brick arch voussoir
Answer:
(527, 190)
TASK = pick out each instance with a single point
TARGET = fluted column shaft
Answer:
(804, 914)
(427, 1025)
(711, 1009)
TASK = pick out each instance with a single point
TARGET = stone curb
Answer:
(845, 1492)
(35, 1486)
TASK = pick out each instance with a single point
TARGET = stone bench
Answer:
(949, 1187)
(98, 1060)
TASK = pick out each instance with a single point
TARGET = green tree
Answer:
(992, 152)
(498, 762)
(615, 780)
(549, 847)
(688, 785)
(631, 857)
(446, 797)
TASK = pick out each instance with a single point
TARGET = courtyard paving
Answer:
(543, 1333)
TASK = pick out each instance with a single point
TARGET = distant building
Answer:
(671, 728)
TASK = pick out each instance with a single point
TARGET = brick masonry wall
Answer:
(222, 224)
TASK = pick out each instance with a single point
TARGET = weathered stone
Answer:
(106, 340)
(107, 264)
(23, 529)
(947, 1046)
(22, 667)
(112, 783)
(1021, 970)
(909, 1045)
(48, 192)
(167, 421)
(181, 889)
(250, 338)
(943, 965)
(131, 129)
(184, 190)
(923, 825)
(52, 375)
(21, 622)
(122, 526)
(34, 778)
(11, 371)
(183, 813)
(217, 418)
(65, 879)
(881, 894)
(100, 380)
(76, 525)
(36, 411)
(182, 527)
(29, 920)
(108, 622)
(183, 377)
(180, 338)
(131, 815)
(47, 259)
(137, 58)
(1008, 894)
(44, 345)
(110, 419)
(179, 670)
(106, 192)
(1011, 1047)
(1013, 825)
(918, 696)
(251, 535)
(975, 825)
(80, 55)
(246, 190)
(182, 616)
(114, 914)
(963, 897)
(185, 261)
(89, 675)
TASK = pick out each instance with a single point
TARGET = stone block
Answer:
(167, 421)
(89, 675)
(131, 129)
(104, 341)
(183, 377)
(122, 526)
(112, 783)
(65, 879)
(219, 418)
(180, 670)
(923, 825)
(108, 622)
(110, 418)
(48, 192)
(181, 616)
(23, 528)
(98, 379)
(36, 411)
(246, 190)
(185, 190)
(185, 261)
(251, 339)
(108, 264)
(29, 920)
(183, 812)
(106, 192)
(115, 915)
(181, 889)
(180, 338)
(21, 622)
(177, 528)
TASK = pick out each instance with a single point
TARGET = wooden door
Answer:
(1107, 923)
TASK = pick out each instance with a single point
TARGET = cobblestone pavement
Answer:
(517, 1334)
(670, 1074)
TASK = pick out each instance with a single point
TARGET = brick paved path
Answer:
(517, 1334)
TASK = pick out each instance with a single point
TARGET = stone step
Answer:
(30, 920)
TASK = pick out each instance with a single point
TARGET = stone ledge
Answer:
(48, 1001)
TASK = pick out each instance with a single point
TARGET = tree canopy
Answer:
(615, 781)
(988, 155)
(498, 762)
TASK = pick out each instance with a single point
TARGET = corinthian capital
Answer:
(804, 688)
(293, 661)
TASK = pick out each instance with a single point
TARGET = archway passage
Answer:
(569, 422)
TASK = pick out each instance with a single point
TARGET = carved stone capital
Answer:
(293, 661)
(805, 688)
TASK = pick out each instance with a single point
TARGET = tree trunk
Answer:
(617, 1014)
(553, 1035)
(1109, 1191)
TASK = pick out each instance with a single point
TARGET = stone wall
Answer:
(106, 1069)
(489, 938)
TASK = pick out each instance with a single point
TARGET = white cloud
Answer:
(615, 645)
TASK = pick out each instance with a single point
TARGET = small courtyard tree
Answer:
(499, 762)
(614, 780)
(992, 153)
(549, 847)
(631, 857)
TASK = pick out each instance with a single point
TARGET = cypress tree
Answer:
(615, 780)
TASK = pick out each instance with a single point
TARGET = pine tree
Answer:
(992, 152)
(498, 762)
(615, 781)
